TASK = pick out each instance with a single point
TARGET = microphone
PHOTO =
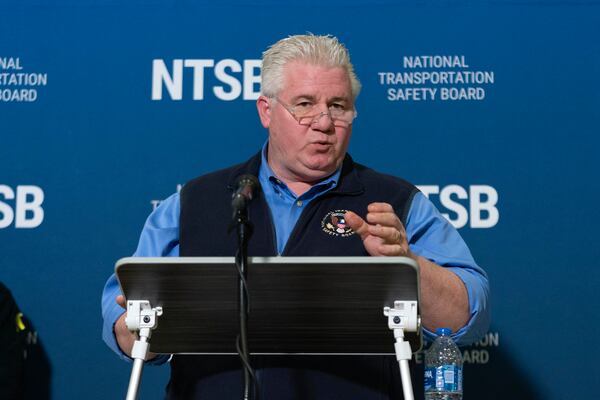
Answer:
(246, 187)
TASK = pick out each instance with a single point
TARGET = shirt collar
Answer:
(349, 182)
(267, 176)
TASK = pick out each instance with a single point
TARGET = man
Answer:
(308, 184)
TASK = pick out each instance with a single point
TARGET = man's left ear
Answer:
(263, 105)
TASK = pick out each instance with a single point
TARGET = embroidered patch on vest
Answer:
(334, 224)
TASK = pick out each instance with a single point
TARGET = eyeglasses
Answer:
(307, 113)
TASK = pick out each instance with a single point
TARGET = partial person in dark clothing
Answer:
(24, 368)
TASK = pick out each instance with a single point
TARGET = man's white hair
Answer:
(324, 51)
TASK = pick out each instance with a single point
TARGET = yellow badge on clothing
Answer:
(19, 322)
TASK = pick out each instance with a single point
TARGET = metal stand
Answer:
(400, 318)
(244, 231)
(141, 318)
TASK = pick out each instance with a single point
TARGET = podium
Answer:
(298, 305)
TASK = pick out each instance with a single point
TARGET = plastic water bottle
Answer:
(443, 369)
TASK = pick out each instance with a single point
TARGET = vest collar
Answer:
(349, 182)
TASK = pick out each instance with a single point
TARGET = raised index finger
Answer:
(380, 207)
(384, 219)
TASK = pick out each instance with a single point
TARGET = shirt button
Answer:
(299, 203)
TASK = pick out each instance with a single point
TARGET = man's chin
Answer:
(319, 171)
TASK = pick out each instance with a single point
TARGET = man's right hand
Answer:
(125, 338)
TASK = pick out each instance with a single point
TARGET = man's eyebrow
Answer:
(339, 98)
(314, 99)
(304, 97)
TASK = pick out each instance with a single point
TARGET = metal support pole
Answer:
(400, 318)
(141, 318)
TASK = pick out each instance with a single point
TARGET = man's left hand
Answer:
(382, 233)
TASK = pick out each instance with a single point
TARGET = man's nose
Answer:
(322, 122)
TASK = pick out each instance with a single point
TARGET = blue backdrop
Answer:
(471, 100)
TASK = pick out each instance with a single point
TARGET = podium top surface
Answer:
(298, 305)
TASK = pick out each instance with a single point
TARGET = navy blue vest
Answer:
(204, 219)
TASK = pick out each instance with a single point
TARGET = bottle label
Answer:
(445, 378)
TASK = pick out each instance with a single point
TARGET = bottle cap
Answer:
(443, 331)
